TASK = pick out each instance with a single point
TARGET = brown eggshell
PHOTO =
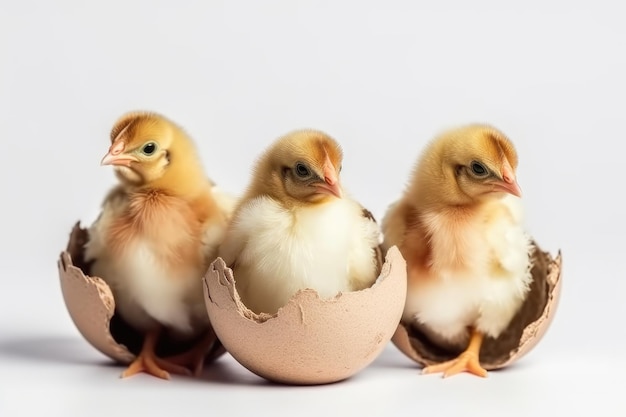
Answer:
(525, 331)
(91, 306)
(309, 340)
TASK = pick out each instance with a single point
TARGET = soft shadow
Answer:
(393, 358)
(518, 366)
(227, 371)
(56, 349)
(70, 351)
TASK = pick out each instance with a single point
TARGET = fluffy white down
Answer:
(316, 247)
(226, 201)
(478, 296)
(145, 290)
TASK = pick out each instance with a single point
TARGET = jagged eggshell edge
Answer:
(91, 306)
(309, 340)
(531, 335)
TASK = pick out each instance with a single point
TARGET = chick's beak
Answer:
(115, 156)
(331, 182)
(328, 188)
(508, 184)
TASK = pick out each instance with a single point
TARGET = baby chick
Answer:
(459, 227)
(155, 237)
(295, 228)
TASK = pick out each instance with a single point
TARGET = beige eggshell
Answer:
(525, 331)
(91, 306)
(310, 340)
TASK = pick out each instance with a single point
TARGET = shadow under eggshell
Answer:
(91, 306)
(309, 340)
(526, 329)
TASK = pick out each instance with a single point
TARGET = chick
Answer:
(295, 227)
(155, 237)
(459, 227)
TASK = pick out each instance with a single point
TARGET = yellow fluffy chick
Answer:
(296, 228)
(459, 227)
(155, 237)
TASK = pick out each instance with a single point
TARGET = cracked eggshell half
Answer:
(310, 340)
(527, 328)
(91, 306)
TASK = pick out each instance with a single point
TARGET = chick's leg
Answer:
(193, 358)
(148, 362)
(467, 361)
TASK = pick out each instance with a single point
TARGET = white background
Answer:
(383, 78)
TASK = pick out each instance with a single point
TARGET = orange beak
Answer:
(116, 157)
(331, 182)
(509, 183)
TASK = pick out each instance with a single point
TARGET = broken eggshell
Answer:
(309, 340)
(91, 306)
(526, 329)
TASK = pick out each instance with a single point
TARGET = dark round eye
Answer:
(149, 148)
(478, 169)
(302, 171)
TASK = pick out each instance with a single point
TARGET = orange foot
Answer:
(467, 361)
(148, 362)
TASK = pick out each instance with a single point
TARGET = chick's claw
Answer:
(148, 362)
(154, 366)
(465, 362)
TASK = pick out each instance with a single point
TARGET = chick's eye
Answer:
(149, 148)
(478, 169)
(302, 171)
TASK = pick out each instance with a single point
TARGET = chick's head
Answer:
(149, 150)
(301, 167)
(470, 164)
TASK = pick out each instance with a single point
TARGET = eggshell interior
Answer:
(91, 306)
(525, 331)
(309, 340)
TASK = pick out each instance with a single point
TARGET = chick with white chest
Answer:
(459, 226)
(296, 229)
(158, 230)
